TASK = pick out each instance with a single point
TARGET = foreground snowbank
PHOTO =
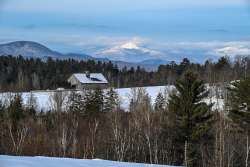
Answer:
(14, 161)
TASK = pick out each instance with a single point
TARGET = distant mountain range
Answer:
(33, 49)
(154, 62)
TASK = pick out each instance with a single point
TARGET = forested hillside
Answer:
(22, 74)
(181, 127)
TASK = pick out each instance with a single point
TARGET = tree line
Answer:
(178, 129)
(24, 74)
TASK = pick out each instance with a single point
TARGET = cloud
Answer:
(221, 48)
(104, 46)
(201, 51)
(206, 44)
(233, 51)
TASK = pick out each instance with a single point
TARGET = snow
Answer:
(130, 45)
(134, 44)
(125, 94)
(84, 79)
(17, 161)
(44, 98)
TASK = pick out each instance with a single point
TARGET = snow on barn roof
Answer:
(92, 78)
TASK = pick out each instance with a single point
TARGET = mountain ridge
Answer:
(36, 50)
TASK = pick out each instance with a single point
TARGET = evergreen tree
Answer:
(239, 100)
(111, 100)
(93, 102)
(98, 99)
(76, 103)
(15, 110)
(159, 102)
(2, 111)
(192, 115)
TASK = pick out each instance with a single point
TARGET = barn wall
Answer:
(93, 86)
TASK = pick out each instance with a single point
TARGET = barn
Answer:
(88, 81)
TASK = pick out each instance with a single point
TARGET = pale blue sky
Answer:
(94, 5)
(172, 27)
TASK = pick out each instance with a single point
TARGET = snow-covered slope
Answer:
(130, 51)
(27, 49)
(16, 161)
(44, 102)
(37, 50)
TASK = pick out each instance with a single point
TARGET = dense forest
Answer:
(179, 129)
(23, 74)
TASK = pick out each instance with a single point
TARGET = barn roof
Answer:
(92, 78)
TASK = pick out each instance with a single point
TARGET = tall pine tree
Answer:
(239, 100)
(192, 115)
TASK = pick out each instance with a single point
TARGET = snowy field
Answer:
(44, 98)
(14, 161)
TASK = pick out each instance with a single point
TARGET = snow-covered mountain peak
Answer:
(130, 45)
(132, 50)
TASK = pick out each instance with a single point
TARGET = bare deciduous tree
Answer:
(17, 136)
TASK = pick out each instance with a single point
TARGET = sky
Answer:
(175, 29)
